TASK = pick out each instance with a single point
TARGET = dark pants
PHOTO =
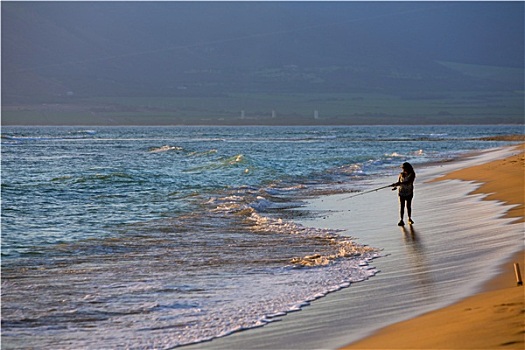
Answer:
(405, 200)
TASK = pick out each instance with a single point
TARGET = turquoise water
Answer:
(162, 236)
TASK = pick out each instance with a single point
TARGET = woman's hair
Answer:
(408, 167)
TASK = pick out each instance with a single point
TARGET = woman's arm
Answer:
(398, 181)
(408, 180)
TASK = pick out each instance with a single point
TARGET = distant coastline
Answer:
(76, 115)
(504, 138)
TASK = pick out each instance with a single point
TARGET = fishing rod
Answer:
(360, 193)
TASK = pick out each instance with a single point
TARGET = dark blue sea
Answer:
(154, 237)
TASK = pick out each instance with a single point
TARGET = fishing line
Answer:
(361, 193)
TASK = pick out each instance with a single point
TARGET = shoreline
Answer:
(491, 318)
(424, 267)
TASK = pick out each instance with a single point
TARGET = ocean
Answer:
(156, 237)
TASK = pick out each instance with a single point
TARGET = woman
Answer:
(405, 185)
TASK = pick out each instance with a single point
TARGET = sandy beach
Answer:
(492, 319)
(462, 238)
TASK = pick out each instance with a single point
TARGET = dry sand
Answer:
(493, 319)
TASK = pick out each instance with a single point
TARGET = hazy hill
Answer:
(82, 60)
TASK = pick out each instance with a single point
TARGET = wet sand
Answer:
(460, 241)
(493, 319)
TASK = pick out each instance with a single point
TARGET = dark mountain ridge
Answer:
(69, 52)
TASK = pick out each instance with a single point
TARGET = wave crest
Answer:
(165, 148)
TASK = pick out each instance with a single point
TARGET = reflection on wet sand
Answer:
(417, 258)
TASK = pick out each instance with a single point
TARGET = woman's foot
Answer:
(401, 223)
(410, 221)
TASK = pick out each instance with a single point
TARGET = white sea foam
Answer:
(165, 148)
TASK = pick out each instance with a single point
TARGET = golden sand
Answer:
(493, 319)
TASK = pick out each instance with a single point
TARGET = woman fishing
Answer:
(405, 186)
